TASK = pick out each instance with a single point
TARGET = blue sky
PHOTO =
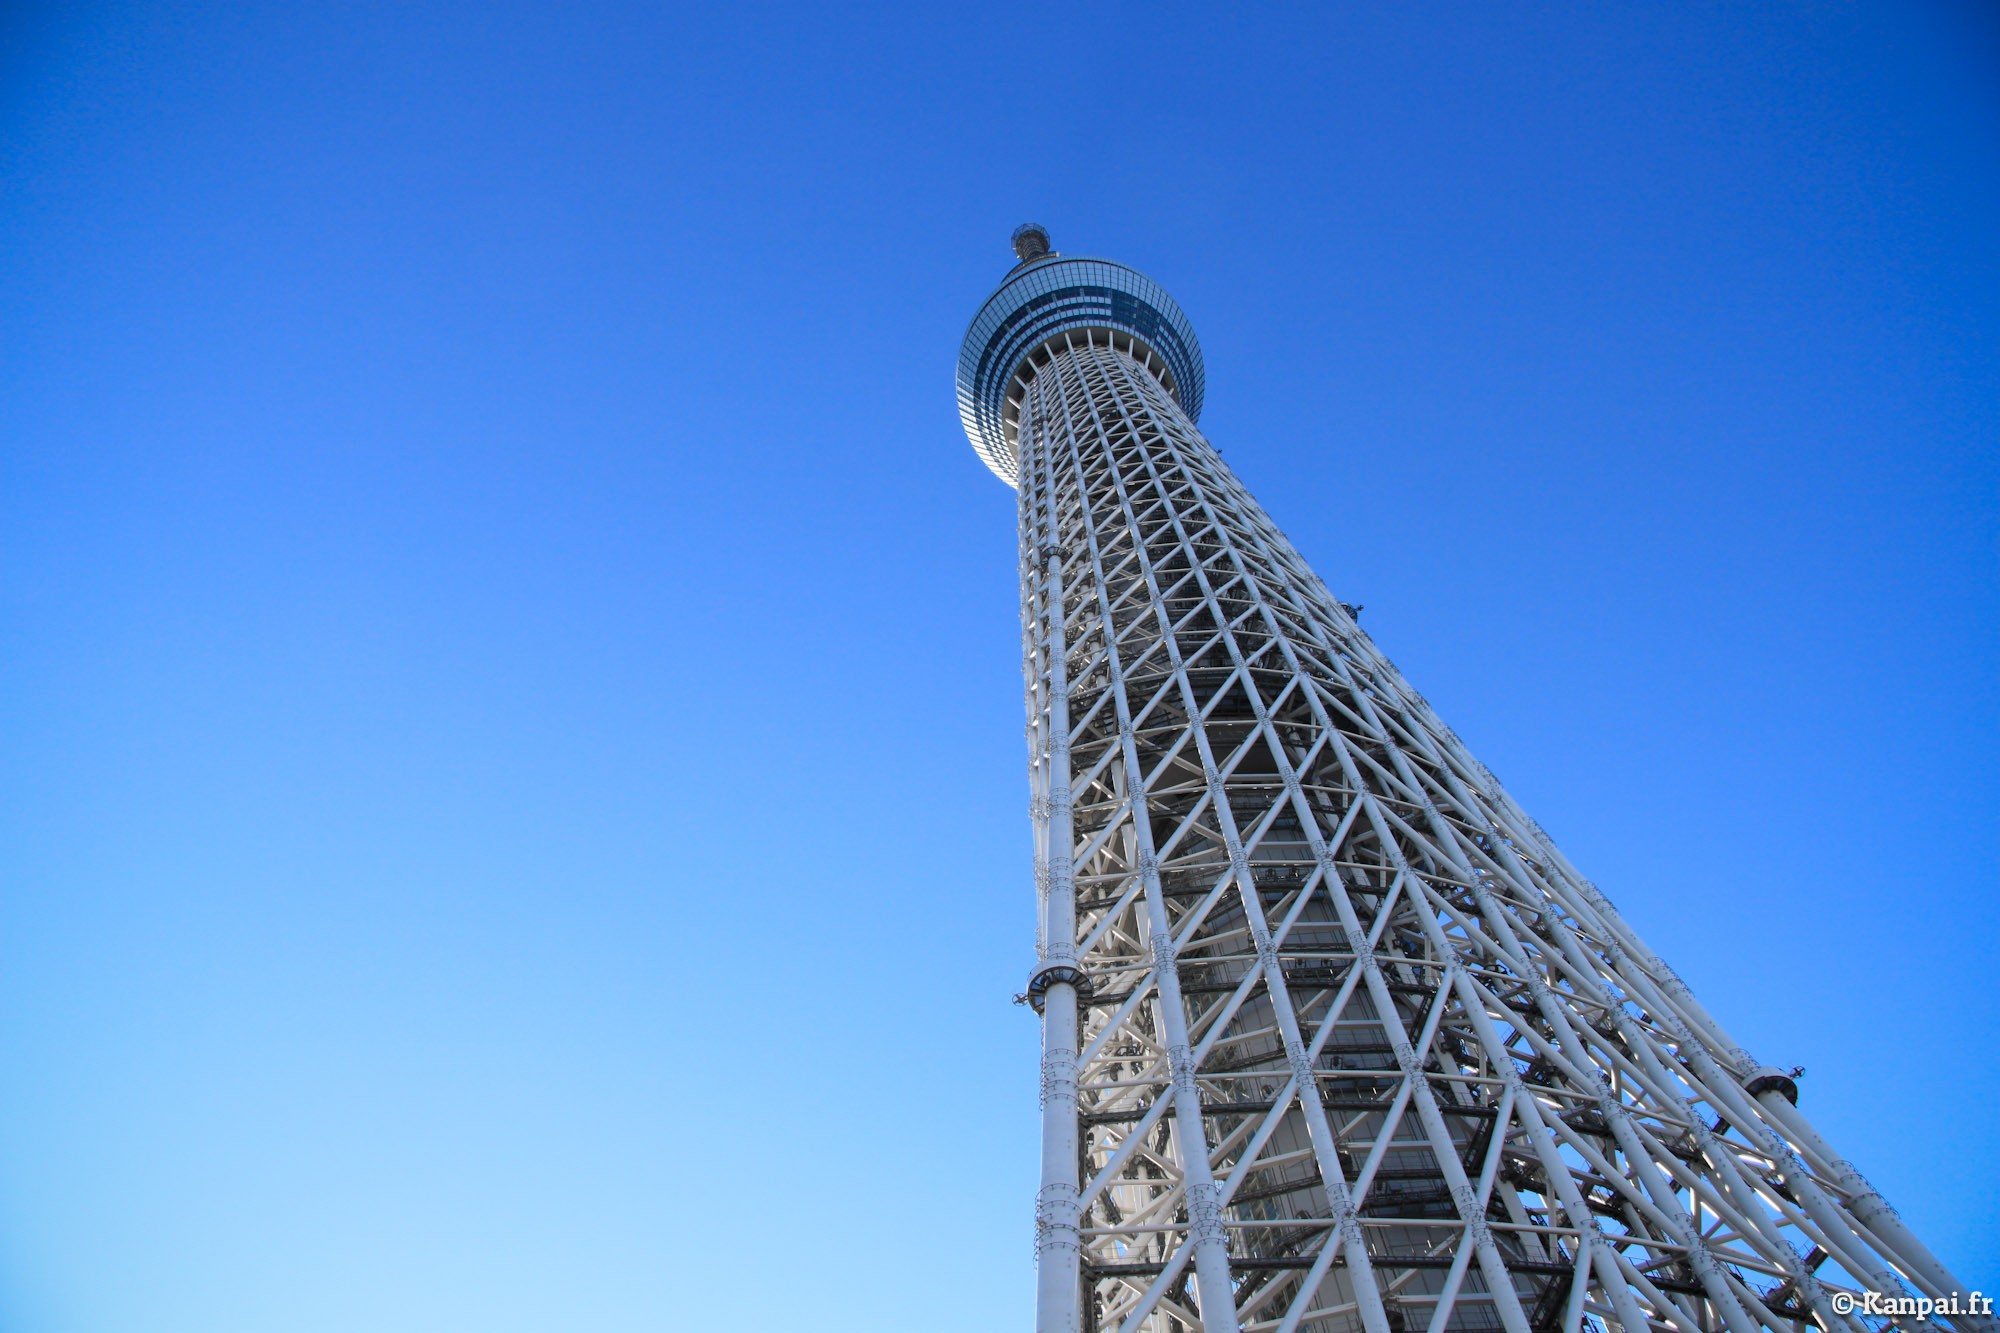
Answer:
(512, 803)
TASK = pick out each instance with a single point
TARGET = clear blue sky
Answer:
(512, 803)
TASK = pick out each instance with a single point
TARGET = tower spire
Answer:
(1031, 242)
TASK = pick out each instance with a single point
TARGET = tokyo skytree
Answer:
(1334, 1039)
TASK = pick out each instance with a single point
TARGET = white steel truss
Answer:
(1334, 1039)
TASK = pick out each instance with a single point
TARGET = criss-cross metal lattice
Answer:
(1334, 1039)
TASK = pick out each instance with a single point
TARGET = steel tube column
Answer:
(1058, 1282)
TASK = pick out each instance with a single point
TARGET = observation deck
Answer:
(1046, 299)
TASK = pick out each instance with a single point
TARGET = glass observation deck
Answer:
(1048, 296)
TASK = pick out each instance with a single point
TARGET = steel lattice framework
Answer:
(1333, 1037)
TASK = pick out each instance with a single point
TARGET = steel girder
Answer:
(1334, 1039)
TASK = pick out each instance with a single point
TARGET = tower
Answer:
(1334, 1039)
